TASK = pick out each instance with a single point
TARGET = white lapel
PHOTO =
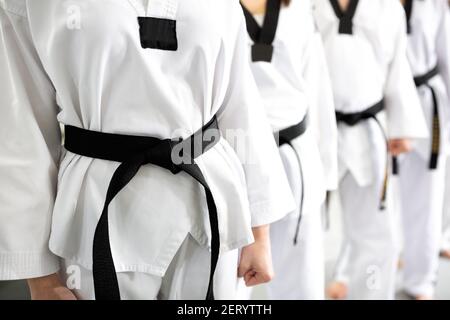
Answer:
(164, 9)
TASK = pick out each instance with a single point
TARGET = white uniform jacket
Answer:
(365, 67)
(81, 63)
(296, 83)
(429, 46)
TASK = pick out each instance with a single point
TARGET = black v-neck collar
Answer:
(345, 17)
(408, 5)
(264, 36)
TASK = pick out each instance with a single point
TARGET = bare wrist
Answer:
(49, 281)
(261, 233)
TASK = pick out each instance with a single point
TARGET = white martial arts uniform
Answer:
(422, 188)
(365, 67)
(445, 242)
(296, 83)
(81, 63)
(445, 245)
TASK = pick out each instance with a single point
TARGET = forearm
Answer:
(261, 233)
(50, 287)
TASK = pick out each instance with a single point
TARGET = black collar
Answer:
(264, 36)
(408, 5)
(346, 18)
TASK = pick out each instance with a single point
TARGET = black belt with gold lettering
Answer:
(353, 119)
(133, 152)
(285, 137)
(436, 130)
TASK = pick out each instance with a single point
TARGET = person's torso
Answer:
(425, 23)
(280, 81)
(105, 80)
(359, 62)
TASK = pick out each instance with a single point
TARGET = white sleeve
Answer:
(243, 112)
(405, 118)
(30, 147)
(322, 111)
(443, 47)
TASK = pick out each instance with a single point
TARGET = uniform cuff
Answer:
(27, 265)
(264, 213)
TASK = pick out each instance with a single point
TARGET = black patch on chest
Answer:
(263, 37)
(157, 33)
(262, 52)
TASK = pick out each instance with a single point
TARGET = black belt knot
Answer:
(133, 152)
(353, 119)
(160, 155)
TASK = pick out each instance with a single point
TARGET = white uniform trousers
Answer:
(422, 194)
(446, 225)
(299, 269)
(369, 254)
(186, 278)
(341, 268)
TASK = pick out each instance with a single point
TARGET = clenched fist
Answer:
(399, 146)
(256, 259)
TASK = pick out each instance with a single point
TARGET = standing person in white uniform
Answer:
(365, 45)
(445, 245)
(124, 204)
(289, 66)
(422, 171)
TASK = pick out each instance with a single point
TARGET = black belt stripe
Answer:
(436, 131)
(424, 80)
(133, 152)
(285, 137)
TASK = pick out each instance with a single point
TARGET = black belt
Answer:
(285, 137)
(424, 80)
(436, 130)
(134, 152)
(352, 119)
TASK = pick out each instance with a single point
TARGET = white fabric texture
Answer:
(185, 279)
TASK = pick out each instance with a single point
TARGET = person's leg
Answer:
(423, 195)
(133, 285)
(445, 246)
(372, 257)
(338, 288)
(186, 278)
(188, 274)
(299, 269)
